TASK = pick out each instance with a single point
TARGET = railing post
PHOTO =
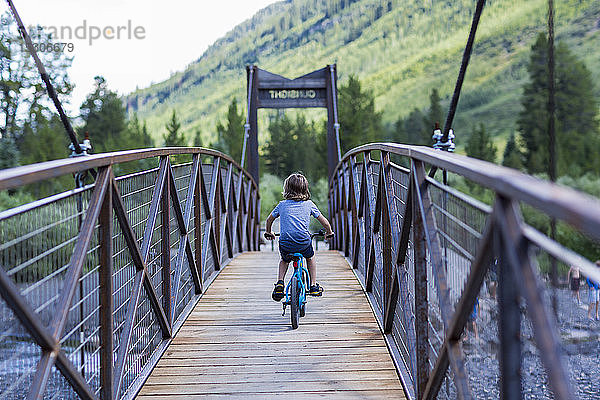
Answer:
(354, 236)
(509, 325)
(217, 214)
(106, 297)
(165, 231)
(386, 229)
(344, 207)
(248, 219)
(365, 186)
(421, 301)
(334, 217)
(332, 214)
(257, 225)
(198, 224)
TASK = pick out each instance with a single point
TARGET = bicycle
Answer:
(296, 289)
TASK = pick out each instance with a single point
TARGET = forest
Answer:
(506, 125)
(401, 50)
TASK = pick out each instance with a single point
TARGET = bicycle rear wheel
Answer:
(295, 301)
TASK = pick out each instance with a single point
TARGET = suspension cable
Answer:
(46, 79)
(552, 144)
(463, 70)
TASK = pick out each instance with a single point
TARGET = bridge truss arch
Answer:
(423, 251)
(95, 282)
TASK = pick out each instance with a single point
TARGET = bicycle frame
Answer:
(299, 268)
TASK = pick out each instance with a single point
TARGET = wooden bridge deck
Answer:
(236, 344)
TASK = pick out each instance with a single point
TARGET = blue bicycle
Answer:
(297, 287)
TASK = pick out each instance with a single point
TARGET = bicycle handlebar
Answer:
(312, 235)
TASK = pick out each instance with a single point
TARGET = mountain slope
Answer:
(400, 49)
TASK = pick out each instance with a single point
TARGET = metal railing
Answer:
(95, 282)
(428, 254)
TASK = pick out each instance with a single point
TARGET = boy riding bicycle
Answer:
(295, 212)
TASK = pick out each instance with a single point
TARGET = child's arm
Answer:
(270, 220)
(326, 225)
(272, 216)
(268, 234)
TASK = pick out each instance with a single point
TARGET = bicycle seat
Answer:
(294, 256)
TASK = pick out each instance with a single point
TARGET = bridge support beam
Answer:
(509, 329)
(105, 239)
(421, 300)
(269, 90)
(332, 146)
(253, 117)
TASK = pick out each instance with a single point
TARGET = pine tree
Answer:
(359, 121)
(398, 133)
(480, 145)
(22, 95)
(434, 115)
(280, 147)
(231, 134)
(410, 130)
(173, 138)
(44, 140)
(305, 144)
(139, 134)
(9, 154)
(198, 138)
(576, 108)
(295, 146)
(512, 155)
(105, 119)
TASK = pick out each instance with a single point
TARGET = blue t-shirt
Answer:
(295, 217)
(592, 284)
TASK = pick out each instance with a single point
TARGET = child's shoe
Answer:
(278, 293)
(315, 290)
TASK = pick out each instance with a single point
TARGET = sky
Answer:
(159, 38)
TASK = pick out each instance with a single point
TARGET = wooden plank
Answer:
(306, 361)
(237, 344)
(279, 353)
(267, 378)
(272, 387)
(329, 395)
(326, 344)
(251, 369)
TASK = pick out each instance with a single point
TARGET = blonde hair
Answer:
(295, 187)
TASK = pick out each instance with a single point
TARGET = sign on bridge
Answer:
(314, 90)
(275, 91)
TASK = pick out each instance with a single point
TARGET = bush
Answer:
(12, 200)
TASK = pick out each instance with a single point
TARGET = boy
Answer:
(295, 212)
(593, 295)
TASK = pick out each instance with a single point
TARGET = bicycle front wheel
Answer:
(295, 300)
(303, 305)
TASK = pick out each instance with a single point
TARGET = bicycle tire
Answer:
(295, 301)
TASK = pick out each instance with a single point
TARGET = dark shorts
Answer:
(286, 251)
(472, 316)
(574, 284)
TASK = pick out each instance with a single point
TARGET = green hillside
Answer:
(400, 49)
